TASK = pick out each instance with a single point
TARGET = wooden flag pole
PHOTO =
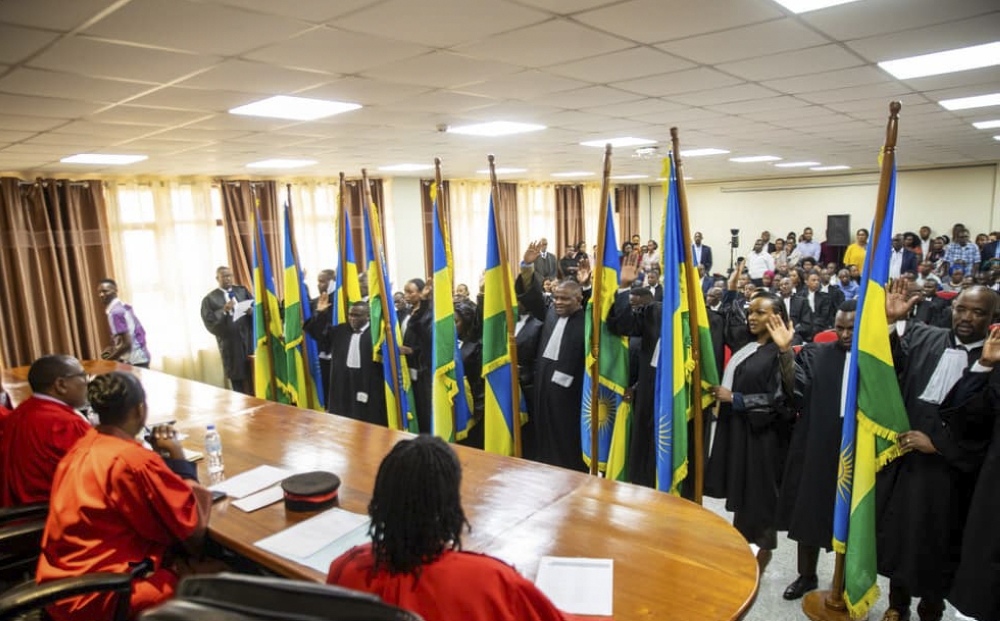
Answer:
(342, 234)
(692, 290)
(508, 303)
(830, 605)
(388, 330)
(597, 276)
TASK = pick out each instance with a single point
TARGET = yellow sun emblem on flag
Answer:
(606, 405)
(845, 473)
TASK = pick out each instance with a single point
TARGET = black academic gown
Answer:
(746, 463)
(717, 328)
(922, 500)
(472, 364)
(976, 588)
(419, 337)
(355, 393)
(317, 326)
(233, 334)
(809, 486)
(557, 407)
(734, 310)
(527, 352)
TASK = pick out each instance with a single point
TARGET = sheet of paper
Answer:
(260, 500)
(581, 586)
(193, 455)
(241, 308)
(251, 481)
(306, 538)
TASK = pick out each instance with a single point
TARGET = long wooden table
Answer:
(673, 559)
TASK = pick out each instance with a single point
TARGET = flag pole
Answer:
(508, 303)
(692, 290)
(446, 242)
(342, 234)
(388, 330)
(262, 303)
(597, 276)
(830, 605)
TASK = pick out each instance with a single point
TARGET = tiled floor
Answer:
(782, 571)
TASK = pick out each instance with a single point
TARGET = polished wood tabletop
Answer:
(673, 559)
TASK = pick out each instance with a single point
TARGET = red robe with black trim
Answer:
(32, 441)
(114, 503)
(458, 585)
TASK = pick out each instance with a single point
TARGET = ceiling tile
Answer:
(785, 113)
(46, 106)
(440, 69)
(194, 26)
(886, 89)
(633, 63)
(145, 115)
(678, 82)
(195, 99)
(567, 7)
(755, 105)
(550, 43)
(652, 21)
(314, 11)
(741, 92)
(524, 85)
(17, 43)
(511, 111)
(365, 91)
(256, 77)
(787, 64)
(93, 57)
(75, 143)
(241, 122)
(112, 131)
(841, 78)
(586, 97)
(200, 134)
(336, 51)
(52, 14)
(857, 20)
(757, 40)
(445, 102)
(54, 84)
(41, 150)
(638, 107)
(8, 136)
(673, 117)
(160, 145)
(441, 23)
(29, 123)
(987, 78)
(962, 33)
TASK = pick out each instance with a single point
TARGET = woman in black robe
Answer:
(470, 346)
(747, 456)
(418, 339)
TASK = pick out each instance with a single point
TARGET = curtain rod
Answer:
(46, 182)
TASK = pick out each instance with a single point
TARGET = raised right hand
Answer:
(629, 271)
(533, 252)
(898, 301)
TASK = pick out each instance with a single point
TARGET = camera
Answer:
(735, 241)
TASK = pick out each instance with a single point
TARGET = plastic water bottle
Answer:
(213, 452)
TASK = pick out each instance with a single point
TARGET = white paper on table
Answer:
(190, 455)
(260, 500)
(579, 586)
(251, 481)
(241, 308)
(306, 538)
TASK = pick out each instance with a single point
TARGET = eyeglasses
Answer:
(82, 374)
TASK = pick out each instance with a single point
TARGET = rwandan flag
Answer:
(301, 352)
(398, 394)
(874, 414)
(452, 412)
(614, 413)
(675, 365)
(269, 369)
(347, 289)
(497, 372)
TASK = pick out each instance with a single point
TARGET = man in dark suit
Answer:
(901, 256)
(545, 264)
(320, 319)
(820, 308)
(233, 334)
(654, 285)
(798, 311)
(702, 254)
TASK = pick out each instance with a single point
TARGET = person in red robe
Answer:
(416, 561)
(115, 503)
(41, 430)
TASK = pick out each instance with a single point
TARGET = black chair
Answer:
(235, 597)
(20, 545)
(38, 510)
(29, 597)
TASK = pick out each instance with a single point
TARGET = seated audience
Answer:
(115, 503)
(415, 560)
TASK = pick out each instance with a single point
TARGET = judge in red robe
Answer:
(417, 562)
(41, 430)
(115, 503)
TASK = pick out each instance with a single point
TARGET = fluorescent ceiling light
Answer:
(625, 141)
(702, 152)
(405, 167)
(281, 163)
(629, 177)
(572, 174)
(987, 124)
(949, 61)
(103, 158)
(996, 137)
(295, 108)
(825, 168)
(503, 171)
(796, 164)
(964, 103)
(804, 6)
(750, 159)
(495, 128)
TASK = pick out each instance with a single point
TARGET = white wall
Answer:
(408, 228)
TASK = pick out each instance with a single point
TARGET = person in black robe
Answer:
(527, 334)
(559, 364)
(418, 339)
(819, 305)
(233, 334)
(320, 318)
(923, 496)
(809, 486)
(716, 326)
(747, 460)
(976, 588)
(470, 347)
(357, 388)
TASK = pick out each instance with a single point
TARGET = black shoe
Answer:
(801, 585)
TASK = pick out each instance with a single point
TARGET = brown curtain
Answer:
(354, 200)
(53, 250)
(426, 208)
(569, 217)
(238, 201)
(627, 207)
(507, 210)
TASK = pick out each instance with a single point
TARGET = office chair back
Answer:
(20, 545)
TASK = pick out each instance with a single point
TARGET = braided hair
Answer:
(113, 395)
(416, 507)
